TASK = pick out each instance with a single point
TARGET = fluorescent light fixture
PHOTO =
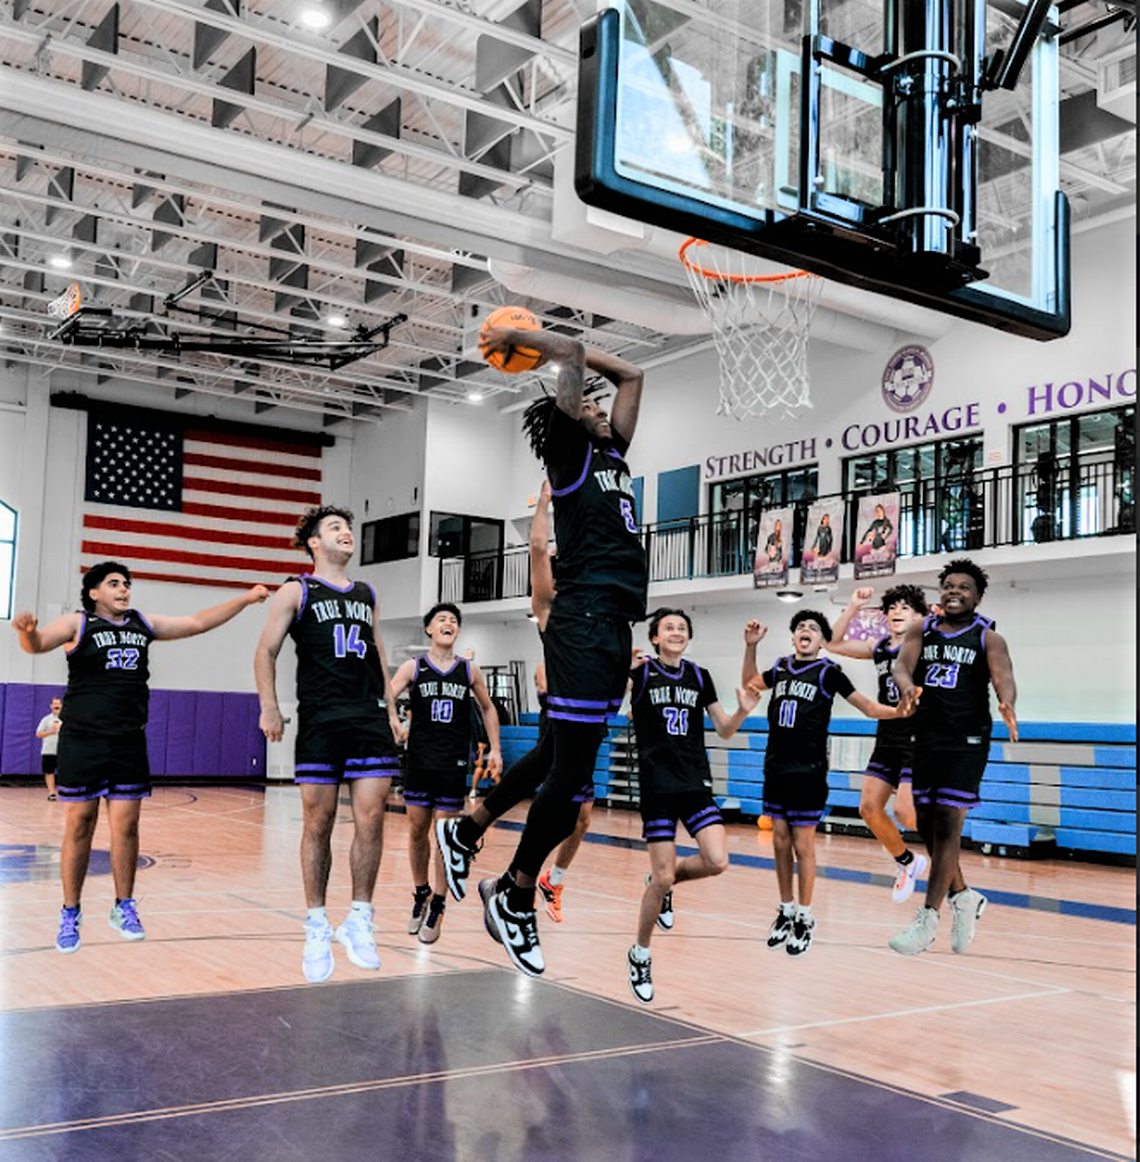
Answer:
(789, 595)
(335, 320)
(60, 262)
(316, 16)
(475, 396)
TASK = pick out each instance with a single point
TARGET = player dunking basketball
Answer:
(890, 765)
(345, 730)
(102, 743)
(602, 582)
(950, 660)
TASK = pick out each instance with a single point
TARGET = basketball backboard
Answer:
(902, 166)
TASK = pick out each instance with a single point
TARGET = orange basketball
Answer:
(517, 358)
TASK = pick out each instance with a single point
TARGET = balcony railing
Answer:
(1091, 497)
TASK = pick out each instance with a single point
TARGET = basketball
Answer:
(517, 359)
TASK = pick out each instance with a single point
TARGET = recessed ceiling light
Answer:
(475, 396)
(60, 261)
(335, 320)
(316, 16)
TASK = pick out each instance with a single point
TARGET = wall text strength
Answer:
(741, 463)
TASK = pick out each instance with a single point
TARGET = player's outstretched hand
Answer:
(495, 339)
(861, 596)
(908, 703)
(25, 623)
(1009, 718)
(748, 698)
(272, 725)
(256, 595)
(754, 632)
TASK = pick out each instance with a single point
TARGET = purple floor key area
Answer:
(486, 1065)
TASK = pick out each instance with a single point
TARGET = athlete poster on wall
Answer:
(876, 532)
(773, 548)
(823, 541)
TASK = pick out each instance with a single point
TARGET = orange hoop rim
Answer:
(720, 276)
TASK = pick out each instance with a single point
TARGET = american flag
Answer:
(195, 505)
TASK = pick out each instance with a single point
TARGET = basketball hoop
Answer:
(760, 327)
(67, 303)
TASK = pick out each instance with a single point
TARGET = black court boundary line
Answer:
(890, 1087)
(255, 1101)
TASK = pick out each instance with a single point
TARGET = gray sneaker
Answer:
(967, 908)
(919, 936)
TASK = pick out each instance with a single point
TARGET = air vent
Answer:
(1116, 83)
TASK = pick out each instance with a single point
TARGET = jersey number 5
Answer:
(346, 640)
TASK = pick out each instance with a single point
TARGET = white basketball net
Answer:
(760, 327)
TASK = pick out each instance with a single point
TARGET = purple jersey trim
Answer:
(304, 597)
(82, 631)
(143, 618)
(581, 479)
(442, 673)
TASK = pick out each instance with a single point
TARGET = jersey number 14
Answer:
(346, 640)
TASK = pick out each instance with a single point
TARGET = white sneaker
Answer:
(919, 936)
(317, 958)
(640, 980)
(356, 936)
(967, 908)
(907, 877)
(803, 930)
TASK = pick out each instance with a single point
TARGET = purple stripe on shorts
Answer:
(314, 767)
(83, 796)
(580, 703)
(370, 773)
(111, 795)
(795, 817)
(321, 780)
(586, 719)
(585, 795)
(386, 761)
(658, 829)
(703, 819)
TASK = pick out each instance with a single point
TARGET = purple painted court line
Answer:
(484, 1065)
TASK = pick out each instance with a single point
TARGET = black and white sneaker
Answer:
(487, 888)
(518, 933)
(781, 927)
(640, 980)
(456, 857)
(803, 928)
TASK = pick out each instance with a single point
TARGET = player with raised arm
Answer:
(803, 686)
(946, 666)
(102, 741)
(670, 698)
(438, 744)
(890, 765)
(601, 587)
(346, 732)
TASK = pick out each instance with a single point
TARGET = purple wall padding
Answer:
(180, 732)
(156, 730)
(243, 745)
(208, 734)
(189, 732)
(18, 755)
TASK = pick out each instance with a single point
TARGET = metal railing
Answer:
(1089, 497)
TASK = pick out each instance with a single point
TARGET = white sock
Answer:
(639, 953)
(321, 913)
(362, 905)
(788, 907)
(556, 874)
(805, 911)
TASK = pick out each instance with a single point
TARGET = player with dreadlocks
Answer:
(601, 590)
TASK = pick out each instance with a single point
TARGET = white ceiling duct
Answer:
(675, 319)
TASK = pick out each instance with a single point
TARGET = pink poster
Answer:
(773, 549)
(823, 542)
(876, 532)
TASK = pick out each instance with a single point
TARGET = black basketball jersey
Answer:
(668, 716)
(799, 713)
(954, 673)
(891, 731)
(338, 664)
(601, 562)
(439, 738)
(107, 674)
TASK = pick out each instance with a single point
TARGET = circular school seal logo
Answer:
(908, 378)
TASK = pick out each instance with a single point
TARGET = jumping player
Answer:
(803, 688)
(602, 582)
(951, 659)
(442, 687)
(102, 741)
(345, 730)
(890, 765)
(670, 698)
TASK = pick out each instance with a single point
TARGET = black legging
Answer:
(553, 815)
(524, 776)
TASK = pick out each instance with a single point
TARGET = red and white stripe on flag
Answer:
(241, 498)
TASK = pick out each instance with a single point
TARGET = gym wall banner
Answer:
(877, 530)
(773, 549)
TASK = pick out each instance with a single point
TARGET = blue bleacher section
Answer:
(1068, 786)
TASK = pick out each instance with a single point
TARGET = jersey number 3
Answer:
(346, 640)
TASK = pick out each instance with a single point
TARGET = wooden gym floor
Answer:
(204, 1042)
